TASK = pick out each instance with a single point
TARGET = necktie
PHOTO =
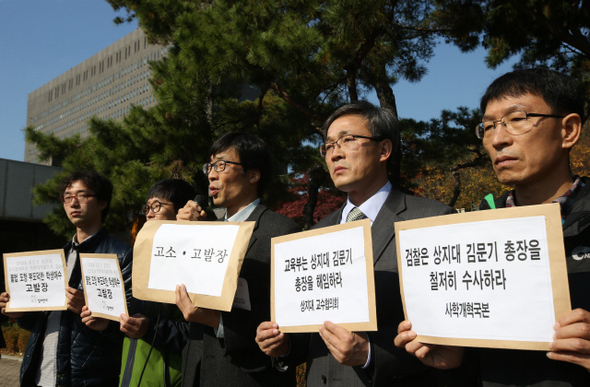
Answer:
(355, 214)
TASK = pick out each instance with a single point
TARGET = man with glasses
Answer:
(62, 350)
(362, 144)
(238, 171)
(532, 119)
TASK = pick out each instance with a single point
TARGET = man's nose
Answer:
(337, 152)
(212, 175)
(500, 137)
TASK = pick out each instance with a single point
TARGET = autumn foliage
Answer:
(329, 200)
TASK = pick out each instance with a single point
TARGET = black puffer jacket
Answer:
(500, 367)
(84, 357)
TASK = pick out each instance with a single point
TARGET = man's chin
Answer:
(342, 184)
(218, 202)
(507, 179)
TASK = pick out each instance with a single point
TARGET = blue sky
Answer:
(41, 39)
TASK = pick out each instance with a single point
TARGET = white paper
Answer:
(36, 281)
(513, 300)
(104, 287)
(198, 260)
(307, 293)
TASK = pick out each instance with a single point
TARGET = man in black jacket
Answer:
(532, 118)
(221, 350)
(62, 350)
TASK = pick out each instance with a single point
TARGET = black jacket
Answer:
(499, 367)
(84, 357)
(237, 360)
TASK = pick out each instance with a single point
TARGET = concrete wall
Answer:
(17, 180)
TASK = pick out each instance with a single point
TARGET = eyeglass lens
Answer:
(155, 207)
(80, 197)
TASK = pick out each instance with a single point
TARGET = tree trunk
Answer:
(387, 101)
(312, 201)
(457, 190)
(352, 89)
(385, 95)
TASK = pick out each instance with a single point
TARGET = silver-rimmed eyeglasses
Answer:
(515, 123)
(219, 166)
(348, 142)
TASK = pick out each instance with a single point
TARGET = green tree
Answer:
(543, 32)
(272, 68)
(443, 159)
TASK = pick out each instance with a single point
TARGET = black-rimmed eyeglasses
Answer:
(348, 142)
(218, 166)
(155, 207)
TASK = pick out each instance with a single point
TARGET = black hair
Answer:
(382, 124)
(95, 181)
(177, 191)
(558, 90)
(252, 152)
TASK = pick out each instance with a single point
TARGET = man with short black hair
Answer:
(238, 170)
(362, 144)
(531, 120)
(62, 350)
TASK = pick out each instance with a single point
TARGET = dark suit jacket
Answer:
(390, 366)
(237, 360)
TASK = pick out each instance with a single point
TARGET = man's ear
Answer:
(253, 176)
(386, 149)
(102, 205)
(571, 130)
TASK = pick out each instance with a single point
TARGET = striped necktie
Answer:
(355, 214)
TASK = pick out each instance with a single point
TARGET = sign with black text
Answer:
(36, 280)
(324, 275)
(104, 289)
(204, 256)
(493, 278)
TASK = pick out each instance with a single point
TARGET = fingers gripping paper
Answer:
(205, 256)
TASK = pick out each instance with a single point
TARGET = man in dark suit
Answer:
(532, 118)
(227, 354)
(362, 144)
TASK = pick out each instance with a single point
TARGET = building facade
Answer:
(106, 85)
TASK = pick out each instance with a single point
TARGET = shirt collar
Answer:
(565, 201)
(371, 206)
(76, 245)
(244, 213)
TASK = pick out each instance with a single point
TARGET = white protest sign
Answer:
(205, 256)
(36, 280)
(484, 279)
(198, 260)
(104, 289)
(324, 274)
